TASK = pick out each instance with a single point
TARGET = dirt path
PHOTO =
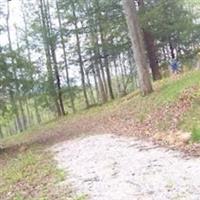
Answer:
(109, 167)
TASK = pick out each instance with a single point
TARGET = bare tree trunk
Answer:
(52, 45)
(90, 88)
(80, 56)
(171, 49)
(123, 75)
(100, 82)
(117, 76)
(24, 120)
(96, 84)
(103, 42)
(52, 89)
(151, 51)
(11, 93)
(60, 94)
(138, 46)
(30, 61)
(65, 57)
(21, 108)
(106, 64)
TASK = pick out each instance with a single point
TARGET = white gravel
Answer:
(108, 167)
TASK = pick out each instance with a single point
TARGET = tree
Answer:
(49, 51)
(138, 46)
(176, 30)
(64, 55)
(151, 48)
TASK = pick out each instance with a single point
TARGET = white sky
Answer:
(15, 18)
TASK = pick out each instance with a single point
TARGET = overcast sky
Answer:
(15, 18)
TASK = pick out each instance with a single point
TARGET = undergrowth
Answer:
(32, 175)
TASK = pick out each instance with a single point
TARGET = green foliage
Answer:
(195, 135)
(175, 23)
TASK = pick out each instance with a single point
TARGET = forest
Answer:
(99, 99)
(60, 57)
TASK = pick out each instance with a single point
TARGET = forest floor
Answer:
(167, 117)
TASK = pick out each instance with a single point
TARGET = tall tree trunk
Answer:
(11, 93)
(57, 80)
(52, 45)
(138, 46)
(90, 88)
(23, 115)
(80, 56)
(30, 62)
(117, 76)
(52, 89)
(98, 75)
(24, 119)
(107, 84)
(106, 64)
(151, 50)
(96, 84)
(94, 39)
(123, 75)
(65, 57)
(171, 49)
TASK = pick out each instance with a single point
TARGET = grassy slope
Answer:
(32, 174)
(166, 91)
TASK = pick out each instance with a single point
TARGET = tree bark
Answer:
(30, 61)
(52, 89)
(11, 93)
(151, 50)
(80, 56)
(138, 46)
(96, 84)
(52, 45)
(90, 88)
(65, 58)
(171, 49)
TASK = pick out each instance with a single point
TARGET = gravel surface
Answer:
(109, 167)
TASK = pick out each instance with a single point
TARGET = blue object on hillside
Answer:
(175, 65)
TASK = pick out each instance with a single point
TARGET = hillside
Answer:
(165, 117)
(173, 107)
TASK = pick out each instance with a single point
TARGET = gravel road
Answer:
(109, 167)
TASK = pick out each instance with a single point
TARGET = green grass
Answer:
(170, 89)
(32, 175)
(195, 135)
